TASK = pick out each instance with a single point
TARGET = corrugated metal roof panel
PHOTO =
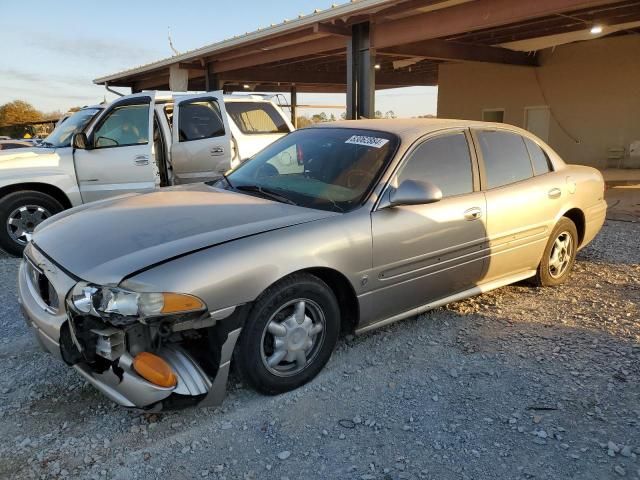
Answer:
(336, 11)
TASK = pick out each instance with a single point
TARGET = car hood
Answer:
(105, 242)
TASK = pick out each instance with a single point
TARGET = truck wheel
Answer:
(289, 335)
(559, 255)
(20, 213)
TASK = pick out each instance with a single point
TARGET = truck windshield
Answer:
(64, 131)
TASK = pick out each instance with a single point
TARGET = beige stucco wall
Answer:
(592, 87)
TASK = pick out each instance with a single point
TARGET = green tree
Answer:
(390, 114)
(18, 111)
(378, 114)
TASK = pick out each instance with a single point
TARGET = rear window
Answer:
(505, 156)
(253, 118)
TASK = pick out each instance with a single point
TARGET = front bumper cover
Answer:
(119, 382)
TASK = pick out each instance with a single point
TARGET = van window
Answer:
(444, 161)
(256, 117)
(505, 157)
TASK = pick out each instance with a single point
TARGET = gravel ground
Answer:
(517, 383)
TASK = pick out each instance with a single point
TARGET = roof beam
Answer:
(331, 29)
(468, 17)
(446, 50)
(285, 53)
(302, 77)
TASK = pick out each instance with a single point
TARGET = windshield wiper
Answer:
(46, 144)
(266, 192)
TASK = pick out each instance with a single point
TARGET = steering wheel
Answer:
(356, 176)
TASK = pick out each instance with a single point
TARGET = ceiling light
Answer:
(596, 29)
(246, 87)
(377, 66)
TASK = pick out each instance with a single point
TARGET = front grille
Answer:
(41, 287)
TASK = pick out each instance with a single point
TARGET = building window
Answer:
(493, 115)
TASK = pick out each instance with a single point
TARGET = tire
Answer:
(39, 206)
(552, 272)
(280, 305)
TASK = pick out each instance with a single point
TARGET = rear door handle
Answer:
(554, 193)
(141, 160)
(473, 213)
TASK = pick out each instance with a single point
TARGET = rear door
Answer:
(523, 195)
(120, 157)
(201, 146)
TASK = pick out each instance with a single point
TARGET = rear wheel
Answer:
(289, 335)
(559, 255)
(20, 213)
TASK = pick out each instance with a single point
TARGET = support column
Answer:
(294, 105)
(361, 84)
(211, 80)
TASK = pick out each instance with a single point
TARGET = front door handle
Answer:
(473, 213)
(217, 150)
(141, 160)
(554, 193)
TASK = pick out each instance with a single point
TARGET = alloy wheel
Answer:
(561, 254)
(23, 220)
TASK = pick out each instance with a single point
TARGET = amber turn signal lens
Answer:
(177, 303)
(155, 370)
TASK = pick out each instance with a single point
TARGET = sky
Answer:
(52, 50)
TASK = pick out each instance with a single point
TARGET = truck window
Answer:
(125, 125)
(199, 119)
(256, 117)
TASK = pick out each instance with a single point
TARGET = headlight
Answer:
(122, 306)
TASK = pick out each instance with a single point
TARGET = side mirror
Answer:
(80, 141)
(414, 192)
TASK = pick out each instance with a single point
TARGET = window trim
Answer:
(482, 166)
(198, 100)
(144, 100)
(394, 169)
(552, 167)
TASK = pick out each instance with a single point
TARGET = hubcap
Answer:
(23, 220)
(561, 254)
(293, 337)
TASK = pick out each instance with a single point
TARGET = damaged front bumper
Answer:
(201, 373)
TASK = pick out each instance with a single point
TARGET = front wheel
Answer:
(559, 255)
(289, 335)
(20, 213)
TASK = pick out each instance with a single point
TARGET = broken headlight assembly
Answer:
(122, 307)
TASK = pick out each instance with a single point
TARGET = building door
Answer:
(536, 120)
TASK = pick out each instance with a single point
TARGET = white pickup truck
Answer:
(137, 143)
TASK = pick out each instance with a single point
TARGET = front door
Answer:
(201, 146)
(423, 253)
(120, 157)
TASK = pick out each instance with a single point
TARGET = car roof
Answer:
(411, 129)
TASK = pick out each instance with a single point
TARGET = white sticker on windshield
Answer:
(367, 141)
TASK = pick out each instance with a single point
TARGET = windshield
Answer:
(324, 168)
(61, 135)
